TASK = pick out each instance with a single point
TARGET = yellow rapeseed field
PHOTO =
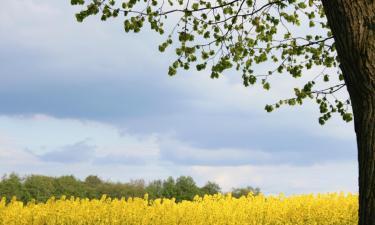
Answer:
(218, 209)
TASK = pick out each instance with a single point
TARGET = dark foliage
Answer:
(40, 188)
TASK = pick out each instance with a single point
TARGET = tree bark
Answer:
(353, 26)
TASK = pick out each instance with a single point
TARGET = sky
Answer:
(88, 98)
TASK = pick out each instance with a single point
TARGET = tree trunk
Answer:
(353, 27)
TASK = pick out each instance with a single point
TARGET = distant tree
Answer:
(169, 188)
(155, 189)
(136, 188)
(210, 188)
(238, 192)
(39, 187)
(93, 181)
(186, 188)
(113, 190)
(69, 186)
(92, 186)
(11, 186)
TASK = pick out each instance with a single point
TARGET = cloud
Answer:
(102, 149)
(120, 160)
(60, 140)
(12, 157)
(78, 152)
(187, 155)
(70, 141)
(275, 153)
(289, 179)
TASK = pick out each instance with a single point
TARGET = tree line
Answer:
(40, 188)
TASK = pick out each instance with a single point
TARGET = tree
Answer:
(93, 180)
(155, 189)
(69, 186)
(210, 188)
(261, 39)
(169, 188)
(186, 188)
(238, 192)
(137, 188)
(11, 186)
(40, 188)
(92, 183)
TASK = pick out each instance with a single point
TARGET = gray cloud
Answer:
(112, 159)
(78, 152)
(275, 154)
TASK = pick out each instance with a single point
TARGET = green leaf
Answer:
(195, 6)
(172, 71)
(268, 108)
(266, 86)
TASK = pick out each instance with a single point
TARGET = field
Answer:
(321, 209)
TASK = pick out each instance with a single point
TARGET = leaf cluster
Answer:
(258, 39)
